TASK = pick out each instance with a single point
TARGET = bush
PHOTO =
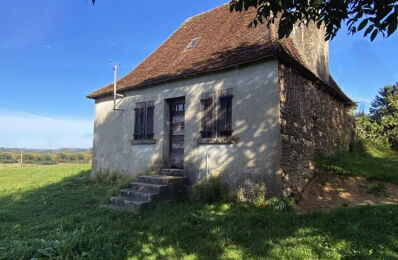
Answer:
(258, 198)
(380, 126)
(382, 145)
(107, 177)
(358, 145)
(277, 204)
(392, 136)
(370, 133)
(210, 190)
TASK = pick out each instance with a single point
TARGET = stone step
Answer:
(148, 190)
(128, 203)
(173, 172)
(160, 179)
(140, 186)
(131, 193)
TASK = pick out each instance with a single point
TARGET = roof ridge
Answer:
(204, 12)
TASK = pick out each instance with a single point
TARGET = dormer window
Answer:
(192, 44)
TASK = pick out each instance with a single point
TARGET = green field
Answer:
(53, 212)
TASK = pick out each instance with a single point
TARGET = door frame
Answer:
(168, 132)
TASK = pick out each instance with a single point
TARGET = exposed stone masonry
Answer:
(313, 123)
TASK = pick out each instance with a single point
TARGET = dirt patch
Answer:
(326, 191)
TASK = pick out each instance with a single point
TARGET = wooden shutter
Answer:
(224, 113)
(150, 107)
(208, 118)
(139, 122)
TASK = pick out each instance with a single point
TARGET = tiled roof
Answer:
(220, 40)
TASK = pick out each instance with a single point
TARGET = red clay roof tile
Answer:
(222, 39)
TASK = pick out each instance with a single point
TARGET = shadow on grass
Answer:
(373, 165)
(64, 220)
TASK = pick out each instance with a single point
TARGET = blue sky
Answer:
(53, 53)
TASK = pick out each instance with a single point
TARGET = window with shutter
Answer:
(144, 120)
(225, 113)
(150, 107)
(217, 114)
(208, 126)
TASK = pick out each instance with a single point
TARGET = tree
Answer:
(385, 103)
(373, 16)
(384, 112)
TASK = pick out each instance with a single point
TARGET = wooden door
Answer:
(177, 126)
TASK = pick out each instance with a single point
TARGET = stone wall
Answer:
(313, 123)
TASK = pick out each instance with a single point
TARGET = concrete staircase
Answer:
(149, 190)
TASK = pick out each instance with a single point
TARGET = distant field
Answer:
(52, 212)
(44, 158)
(17, 165)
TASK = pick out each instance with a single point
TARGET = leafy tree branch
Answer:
(373, 17)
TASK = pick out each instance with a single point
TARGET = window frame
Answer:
(216, 107)
(144, 121)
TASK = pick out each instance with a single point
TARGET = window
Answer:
(143, 127)
(192, 43)
(217, 114)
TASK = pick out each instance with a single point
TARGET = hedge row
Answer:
(45, 158)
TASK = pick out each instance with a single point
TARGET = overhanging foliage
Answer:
(371, 16)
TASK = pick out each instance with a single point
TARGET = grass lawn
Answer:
(53, 212)
(373, 165)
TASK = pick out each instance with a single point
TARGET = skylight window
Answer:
(192, 44)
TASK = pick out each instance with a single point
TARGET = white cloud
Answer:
(24, 130)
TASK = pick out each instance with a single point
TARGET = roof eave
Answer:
(183, 76)
(279, 53)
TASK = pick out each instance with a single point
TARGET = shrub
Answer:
(48, 162)
(210, 190)
(277, 204)
(392, 136)
(382, 144)
(371, 134)
(107, 177)
(358, 145)
(380, 126)
(259, 195)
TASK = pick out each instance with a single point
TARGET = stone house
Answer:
(217, 97)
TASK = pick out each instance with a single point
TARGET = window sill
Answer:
(218, 140)
(143, 141)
